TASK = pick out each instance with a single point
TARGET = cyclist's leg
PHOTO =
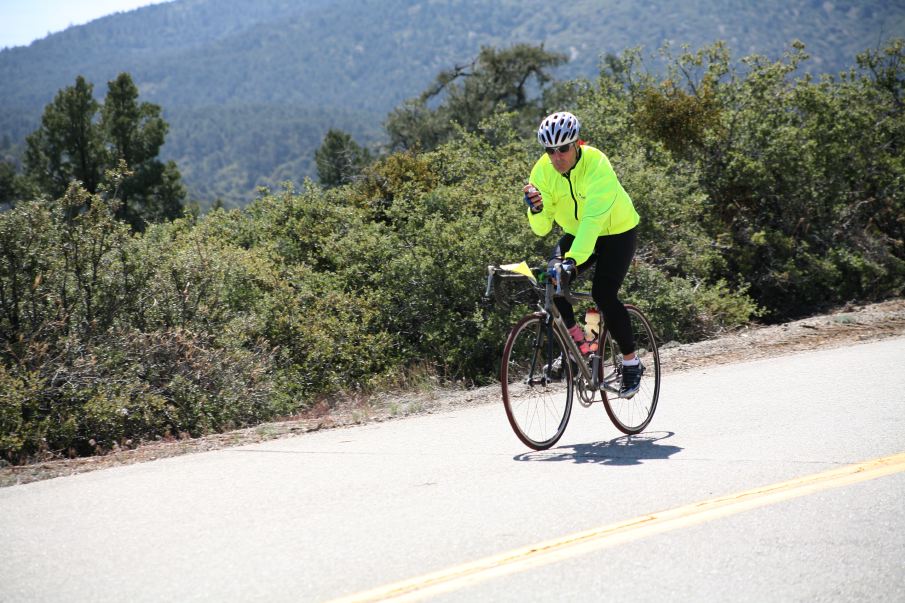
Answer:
(565, 308)
(614, 253)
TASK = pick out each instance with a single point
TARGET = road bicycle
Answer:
(542, 367)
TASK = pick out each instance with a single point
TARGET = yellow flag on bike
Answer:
(520, 269)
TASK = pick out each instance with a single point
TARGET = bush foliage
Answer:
(762, 193)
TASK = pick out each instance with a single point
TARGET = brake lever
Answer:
(557, 269)
(563, 291)
(491, 270)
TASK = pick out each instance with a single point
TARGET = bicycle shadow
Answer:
(625, 450)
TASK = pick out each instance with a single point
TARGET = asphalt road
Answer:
(342, 512)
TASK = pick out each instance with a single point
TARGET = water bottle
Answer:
(591, 325)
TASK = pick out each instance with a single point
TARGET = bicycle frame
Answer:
(539, 416)
(553, 320)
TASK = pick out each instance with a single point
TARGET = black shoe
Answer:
(631, 380)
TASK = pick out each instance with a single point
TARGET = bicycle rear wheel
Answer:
(537, 383)
(632, 415)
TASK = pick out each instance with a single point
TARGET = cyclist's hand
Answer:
(569, 270)
(533, 198)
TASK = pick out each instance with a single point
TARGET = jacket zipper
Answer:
(574, 200)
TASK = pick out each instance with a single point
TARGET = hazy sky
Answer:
(23, 21)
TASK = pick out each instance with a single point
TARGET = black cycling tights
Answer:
(613, 255)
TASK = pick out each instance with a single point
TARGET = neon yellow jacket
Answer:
(587, 203)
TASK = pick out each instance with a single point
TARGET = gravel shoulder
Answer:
(848, 326)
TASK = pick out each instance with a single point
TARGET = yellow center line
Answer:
(581, 543)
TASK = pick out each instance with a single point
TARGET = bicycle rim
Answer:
(537, 394)
(633, 415)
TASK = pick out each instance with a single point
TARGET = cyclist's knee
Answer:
(605, 294)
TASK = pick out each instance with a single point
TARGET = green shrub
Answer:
(23, 429)
(683, 310)
(133, 386)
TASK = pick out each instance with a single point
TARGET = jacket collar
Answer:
(577, 161)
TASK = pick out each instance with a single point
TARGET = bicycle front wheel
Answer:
(632, 415)
(537, 382)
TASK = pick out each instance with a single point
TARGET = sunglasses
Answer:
(563, 149)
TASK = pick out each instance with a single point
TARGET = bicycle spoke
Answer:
(537, 385)
(632, 415)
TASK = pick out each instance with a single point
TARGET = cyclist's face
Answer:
(563, 162)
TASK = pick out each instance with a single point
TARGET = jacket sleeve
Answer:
(541, 222)
(603, 190)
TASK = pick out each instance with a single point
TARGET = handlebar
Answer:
(559, 290)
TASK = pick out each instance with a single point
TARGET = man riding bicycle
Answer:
(574, 185)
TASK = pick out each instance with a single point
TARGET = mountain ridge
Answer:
(357, 60)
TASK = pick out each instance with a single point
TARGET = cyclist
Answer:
(574, 185)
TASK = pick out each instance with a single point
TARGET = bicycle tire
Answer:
(538, 410)
(632, 415)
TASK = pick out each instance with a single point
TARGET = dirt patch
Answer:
(848, 326)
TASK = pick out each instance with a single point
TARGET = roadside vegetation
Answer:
(764, 194)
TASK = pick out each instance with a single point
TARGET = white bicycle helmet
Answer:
(558, 129)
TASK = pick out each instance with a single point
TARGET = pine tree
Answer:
(339, 159)
(67, 146)
(496, 80)
(8, 188)
(72, 143)
(133, 133)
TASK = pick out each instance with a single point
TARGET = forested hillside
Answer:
(250, 88)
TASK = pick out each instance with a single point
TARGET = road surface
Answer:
(717, 501)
